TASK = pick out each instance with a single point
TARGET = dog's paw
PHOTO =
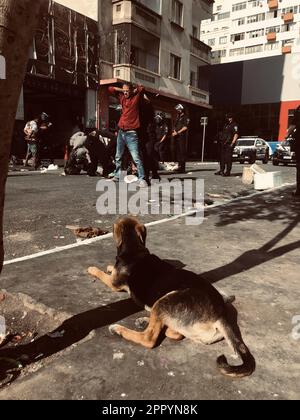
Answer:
(110, 269)
(142, 323)
(115, 329)
(93, 271)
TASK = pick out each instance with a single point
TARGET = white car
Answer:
(251, 149)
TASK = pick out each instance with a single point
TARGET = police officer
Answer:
(229, 137)
(162, 136)
(294, 130)
(180, 137)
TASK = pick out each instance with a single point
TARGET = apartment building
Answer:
(256, 61)
(157, 43)
(62, 75)
(251, 29)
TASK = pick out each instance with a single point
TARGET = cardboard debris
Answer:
(250, 172)
(89, 232)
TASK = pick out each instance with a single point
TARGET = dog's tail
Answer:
(239, 347)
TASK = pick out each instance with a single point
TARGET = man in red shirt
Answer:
(128, 125)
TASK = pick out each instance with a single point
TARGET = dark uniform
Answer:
(180, 142)
(296, 147)
(162, 130)
(147, 137)
(229, 131)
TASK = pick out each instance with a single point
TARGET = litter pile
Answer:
(88, 232)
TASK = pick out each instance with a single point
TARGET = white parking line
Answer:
(158, 222)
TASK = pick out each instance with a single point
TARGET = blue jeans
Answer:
(131, 140)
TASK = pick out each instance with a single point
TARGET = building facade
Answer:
(157, 43)
(251, 29)
(62, 76)
(256, 64)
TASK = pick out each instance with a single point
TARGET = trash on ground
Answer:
(267, 181)
(118, 356)
(256, 169)
(216, 195)
(52, 167)
(89, 232)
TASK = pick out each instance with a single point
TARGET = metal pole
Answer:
(203, 142)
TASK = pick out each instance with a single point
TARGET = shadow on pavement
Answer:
(279, 206)
(72, 331)
(80, 326)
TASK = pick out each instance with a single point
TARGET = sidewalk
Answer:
(249, 248)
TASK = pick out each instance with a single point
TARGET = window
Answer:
(144, 59)
(195, 32)
(239, 6)
(292, 9)
(177, 12)
(271, 29)
(273, 14)
(119, 7)
(256, 18)
(271, 46)
(223, 40)
(222, 16)
(154, 5)
(236, 51)
(237, 37)
(218, 54)
(287, 27)
(287, 42)
(254, 3)
(256, 34)
(253, 49)
(211, 42)
(238, 22)
(175, 67)
(121, 50)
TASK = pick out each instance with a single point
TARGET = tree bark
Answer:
(18, 19)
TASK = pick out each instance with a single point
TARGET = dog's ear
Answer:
(141, 232)
(118, 237)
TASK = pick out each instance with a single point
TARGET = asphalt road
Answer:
(39, 207)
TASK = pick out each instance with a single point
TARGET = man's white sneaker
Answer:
(143, 184)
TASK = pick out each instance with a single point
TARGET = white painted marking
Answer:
(158, 222)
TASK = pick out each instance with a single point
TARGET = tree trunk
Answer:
(18, 19)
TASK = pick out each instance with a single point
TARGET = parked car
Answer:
(284, 154)
(251, 149)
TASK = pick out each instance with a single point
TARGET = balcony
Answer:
(199, 95)
(271, 36)
(288, 17)
(287, 49)
(200, 50)
(137, 13)
(273, 4)
(137, 75)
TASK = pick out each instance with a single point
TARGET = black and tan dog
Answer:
(181, 303)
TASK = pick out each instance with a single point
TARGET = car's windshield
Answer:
(246, 143)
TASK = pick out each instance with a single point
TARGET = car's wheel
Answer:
(275, 162)
(242, 162)
(266, 160)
